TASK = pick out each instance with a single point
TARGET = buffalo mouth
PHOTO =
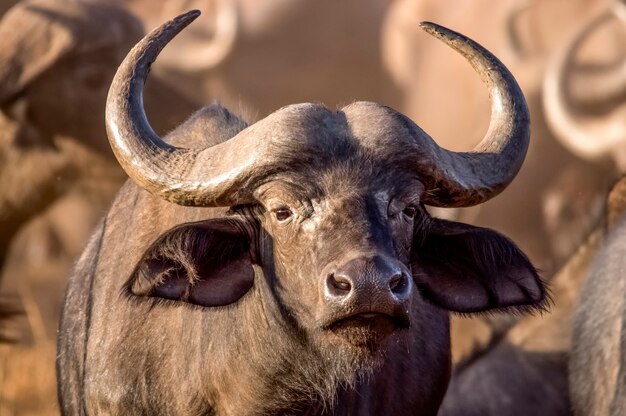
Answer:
(367, 329)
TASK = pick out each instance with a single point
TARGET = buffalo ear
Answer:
(206, 263)
(466, 269)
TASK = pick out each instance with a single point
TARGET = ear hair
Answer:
(471, 269)
(206, 263)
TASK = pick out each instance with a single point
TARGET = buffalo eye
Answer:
(410, 211)
(283, 214)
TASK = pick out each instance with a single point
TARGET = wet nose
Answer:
(375, 278)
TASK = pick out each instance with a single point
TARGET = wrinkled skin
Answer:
(598, 339)
(271, 269)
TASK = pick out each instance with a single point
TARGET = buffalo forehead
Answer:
(314, 134)
(381, 129)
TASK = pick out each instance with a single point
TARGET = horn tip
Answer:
(441, 32)
(174, 26)
(431, 28)
(185, 19)
(190, 15)
(426, 24)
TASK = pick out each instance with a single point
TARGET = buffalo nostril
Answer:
(398, 283)
(339, 285)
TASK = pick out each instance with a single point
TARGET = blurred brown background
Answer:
(57, 175)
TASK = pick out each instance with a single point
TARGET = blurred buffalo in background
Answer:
(585, 101)
(591, 123)
(57, 173)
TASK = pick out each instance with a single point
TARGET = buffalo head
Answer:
(331, 204)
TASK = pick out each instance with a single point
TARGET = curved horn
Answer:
(469, 178)
(600, 87)
(205, 54)
(213, 176)
(585, 136)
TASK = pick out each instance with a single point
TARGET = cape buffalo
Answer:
(321, 285)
